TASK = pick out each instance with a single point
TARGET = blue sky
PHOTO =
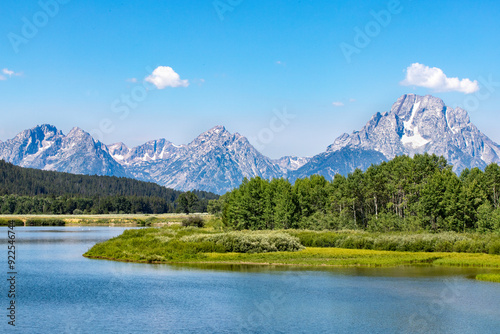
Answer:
(133, 71)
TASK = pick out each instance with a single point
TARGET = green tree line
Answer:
(33, 191)
(419, 193)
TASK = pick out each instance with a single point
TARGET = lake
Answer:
(59, 291)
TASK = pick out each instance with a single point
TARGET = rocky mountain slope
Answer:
(343, 161)
(417, 124)
(215, 161)
(45, 147)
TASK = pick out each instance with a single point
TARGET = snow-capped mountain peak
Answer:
(417, 124)
(77, 132)
(45, 147)
(217, 135)
(118, 151)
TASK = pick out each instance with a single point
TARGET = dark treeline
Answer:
(404, 194)
(33, 191)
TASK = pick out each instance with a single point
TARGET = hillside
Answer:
(88, 193)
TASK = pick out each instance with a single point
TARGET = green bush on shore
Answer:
(196, 221)
(416, 242)
(45, 222)
(7, 222)
(248, 242)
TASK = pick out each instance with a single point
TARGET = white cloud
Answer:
(165, 76)
(352, 100)
(434, 78)
(338, 104)
(133, 80)
(8, 73)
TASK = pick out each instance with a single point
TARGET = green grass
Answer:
(489, 277)
(327, 257)
(193, 245)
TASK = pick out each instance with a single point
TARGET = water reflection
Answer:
(62, 292)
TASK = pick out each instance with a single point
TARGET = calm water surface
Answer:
(59, 291)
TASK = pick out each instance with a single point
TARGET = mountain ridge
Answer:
(418, 124)
(218, 161)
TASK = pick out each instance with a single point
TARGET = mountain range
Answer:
(217, 161)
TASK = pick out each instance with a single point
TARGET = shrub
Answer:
(196, 221)
(247, 242)
(215, 223)
(494, 248)
(416, 242)
(45, 222)
(316, 239)
(6, 222)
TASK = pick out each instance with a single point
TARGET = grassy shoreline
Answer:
(330, 257)
(175, 245)
(489, 277)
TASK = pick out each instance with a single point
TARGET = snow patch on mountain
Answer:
(418, 124)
